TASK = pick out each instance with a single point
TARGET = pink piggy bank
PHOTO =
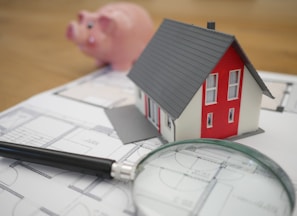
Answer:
(116, 34)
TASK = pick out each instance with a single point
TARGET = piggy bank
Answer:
(116, 34)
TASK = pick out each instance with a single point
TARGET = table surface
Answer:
(36, 56)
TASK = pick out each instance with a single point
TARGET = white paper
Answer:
(50, 120)
(65, 120)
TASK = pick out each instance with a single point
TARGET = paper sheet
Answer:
(51, 121)
(72, 118)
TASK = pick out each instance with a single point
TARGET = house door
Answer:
(153, 112)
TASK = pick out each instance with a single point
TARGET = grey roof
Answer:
(177, 61)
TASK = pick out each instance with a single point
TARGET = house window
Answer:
(209, 123)
(152, 111)
(169, 121)
(234, 77)
(139, 93)
(231, 115)
(211, 89)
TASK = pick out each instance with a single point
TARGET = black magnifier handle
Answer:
(101, 167)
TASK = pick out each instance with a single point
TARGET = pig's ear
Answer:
(106, 23)
(81, 16)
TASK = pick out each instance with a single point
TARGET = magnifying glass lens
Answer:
(209, 178)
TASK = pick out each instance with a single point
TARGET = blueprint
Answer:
(51, 121)
(72, 118)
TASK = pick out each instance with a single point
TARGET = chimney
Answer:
(211, 25)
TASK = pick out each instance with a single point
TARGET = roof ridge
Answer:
(200, 27)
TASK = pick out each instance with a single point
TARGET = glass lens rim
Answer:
(259, 157)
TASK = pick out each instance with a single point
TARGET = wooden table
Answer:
(36, 56)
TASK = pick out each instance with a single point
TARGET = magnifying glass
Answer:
(205, 177)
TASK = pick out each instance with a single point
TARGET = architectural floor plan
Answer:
(72, 118)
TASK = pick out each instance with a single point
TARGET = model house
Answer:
(195, 82)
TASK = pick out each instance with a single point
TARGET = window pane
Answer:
(232, 92)
(231, 115)
(209, 120)
(139, 93)
(168, 121)
(211, 81)
(149, 108)
(211, 89)
(211, 96)
(233, 79)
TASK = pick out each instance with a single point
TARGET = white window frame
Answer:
(209, 120)
(231, 114)
(152, 111)
(233, 85)
(211, 89)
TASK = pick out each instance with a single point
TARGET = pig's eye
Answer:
(90, 25)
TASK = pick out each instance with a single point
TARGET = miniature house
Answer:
(195, 82)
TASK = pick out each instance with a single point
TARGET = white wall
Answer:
(188, 125)
(139, 101)
(250, 104)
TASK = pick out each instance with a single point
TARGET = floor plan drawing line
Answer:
(48, 212)
(16, 118)
(102, 129)
(95, 74)
(3, 187)
(27, 165)
(48, 144)
(207, 191)
(107, 89)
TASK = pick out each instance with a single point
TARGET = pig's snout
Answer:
(78, 35)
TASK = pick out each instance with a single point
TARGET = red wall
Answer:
(221, 128)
